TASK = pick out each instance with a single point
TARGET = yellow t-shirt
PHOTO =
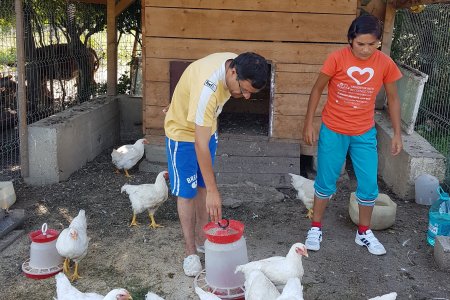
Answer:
(198, 97)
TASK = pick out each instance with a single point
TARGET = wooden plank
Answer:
(191, 49)
(323, 6)
(156, 93)
(388, 29)
(291, 127)
(295, 104)
(294, 83)
(267, 26)
(299, 68)
(153, 117)
(111, 40)
(408, 3)
(157, 69)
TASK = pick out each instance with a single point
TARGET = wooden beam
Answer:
(388, 28)
(408, 3)
(111, 41)
(122, 5)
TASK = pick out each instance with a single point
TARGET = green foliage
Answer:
(8, 56)
(124, 84)
(129, 21)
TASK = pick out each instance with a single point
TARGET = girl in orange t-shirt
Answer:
(354, 76)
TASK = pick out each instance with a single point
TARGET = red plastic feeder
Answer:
(44, 261)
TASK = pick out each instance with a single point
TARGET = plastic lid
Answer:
(224, 232)
(44, 235)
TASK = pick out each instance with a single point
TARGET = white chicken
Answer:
(305, 191)
(293, 290)
(259, 287)
(279, 268)
(204, 295)
(65, 291)
(390, 296)
(152, 296)
(126, 156)
(72, 243)
(147, 197)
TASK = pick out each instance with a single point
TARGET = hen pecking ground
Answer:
(143, 259)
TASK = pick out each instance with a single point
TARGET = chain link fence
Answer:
(422, 40)
(65, 64)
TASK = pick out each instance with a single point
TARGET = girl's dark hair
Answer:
(253, 67)
(365, 24)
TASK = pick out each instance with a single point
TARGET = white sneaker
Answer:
(192, 265)
(313, 239)
(371, 242)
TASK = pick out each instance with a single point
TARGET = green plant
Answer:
(124, 84)
(8, 56)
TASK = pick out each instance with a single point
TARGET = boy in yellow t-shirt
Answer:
(191, 138)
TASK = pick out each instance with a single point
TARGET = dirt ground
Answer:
(142, 259)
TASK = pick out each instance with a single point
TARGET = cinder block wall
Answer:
(63, 143)
(417, 157)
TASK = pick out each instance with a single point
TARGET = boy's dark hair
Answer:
(253, 67)
(365, 24)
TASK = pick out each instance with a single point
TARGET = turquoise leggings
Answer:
(332, 152)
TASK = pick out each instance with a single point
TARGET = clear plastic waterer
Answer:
(225, 249)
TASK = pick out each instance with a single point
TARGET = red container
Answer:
(224, 232)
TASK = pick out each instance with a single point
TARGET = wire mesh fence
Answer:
(65, 64)
(422, 41)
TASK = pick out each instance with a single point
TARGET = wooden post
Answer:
(388, 28)
(111, 48)
(21, 95)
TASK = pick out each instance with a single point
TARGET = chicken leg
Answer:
(66, 268)
(126, 173)
(133, 221)
(153, 222)
(75, 275)
(310, 213)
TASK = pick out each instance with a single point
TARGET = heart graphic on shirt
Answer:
(352, 70)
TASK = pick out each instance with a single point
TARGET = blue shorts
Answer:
(184, 171)
(331, 155)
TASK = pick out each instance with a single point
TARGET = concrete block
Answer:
(63, 143)
(417, 157)
(131, 128)
(442, 252)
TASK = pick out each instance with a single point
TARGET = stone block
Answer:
(442, 252)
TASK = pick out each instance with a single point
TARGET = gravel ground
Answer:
(143, 259)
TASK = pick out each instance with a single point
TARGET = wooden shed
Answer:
(294, 35)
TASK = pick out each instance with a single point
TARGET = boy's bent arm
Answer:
(213, 199)
(393, 101)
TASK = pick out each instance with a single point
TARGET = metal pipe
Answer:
(21, 94)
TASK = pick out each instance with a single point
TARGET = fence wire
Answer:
(65, 64)
(422, 41)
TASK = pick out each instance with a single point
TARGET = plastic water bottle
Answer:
(439, 217)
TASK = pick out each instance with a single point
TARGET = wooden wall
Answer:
(295, 35)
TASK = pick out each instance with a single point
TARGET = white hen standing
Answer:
(293, 290)
(259, 287)
(152, 296)
(126, 156)
(204, 295)
(390, 296)
(72, 243)
(279, 268)
(305, 191)
(65, 291)
(147, 197)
